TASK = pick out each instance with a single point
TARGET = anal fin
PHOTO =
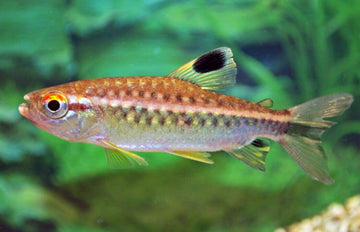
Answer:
(253, 154)
(194, 155)
(118, 157)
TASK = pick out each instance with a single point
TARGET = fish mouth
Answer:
(24, 107)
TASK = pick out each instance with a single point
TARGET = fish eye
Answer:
(55, 105)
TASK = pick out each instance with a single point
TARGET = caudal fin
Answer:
(302, 141)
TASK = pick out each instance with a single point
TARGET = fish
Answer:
(183, 114)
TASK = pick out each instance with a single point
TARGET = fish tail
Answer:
(302, 139)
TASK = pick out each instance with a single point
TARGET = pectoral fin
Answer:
(118, 157)
(194, 155)
(253, 154)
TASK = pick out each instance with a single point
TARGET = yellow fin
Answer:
(117, 155)
(213, 70)
(253, 154)
(194, 155)
(117, 159)
(267, 103)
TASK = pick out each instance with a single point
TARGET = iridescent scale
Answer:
(162, 113)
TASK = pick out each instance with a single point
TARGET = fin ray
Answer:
(312, 112)
(309, 155)
(214, 70)
(116, 159)
(122, 152)
(194, 155)
(253, 154)
(302, 140)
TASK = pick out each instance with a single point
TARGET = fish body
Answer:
(180, 114)
(164, 114)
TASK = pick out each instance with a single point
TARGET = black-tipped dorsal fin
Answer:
(267, 103)
(213, 70)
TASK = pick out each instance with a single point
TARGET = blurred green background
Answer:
(288, 50)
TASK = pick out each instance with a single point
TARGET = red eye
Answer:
(55, 105)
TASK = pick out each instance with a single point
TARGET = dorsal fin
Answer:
(267, 103)
(213, 70)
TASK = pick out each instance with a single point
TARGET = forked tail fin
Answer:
(302, 141)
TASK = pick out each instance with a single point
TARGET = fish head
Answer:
(59, 111)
